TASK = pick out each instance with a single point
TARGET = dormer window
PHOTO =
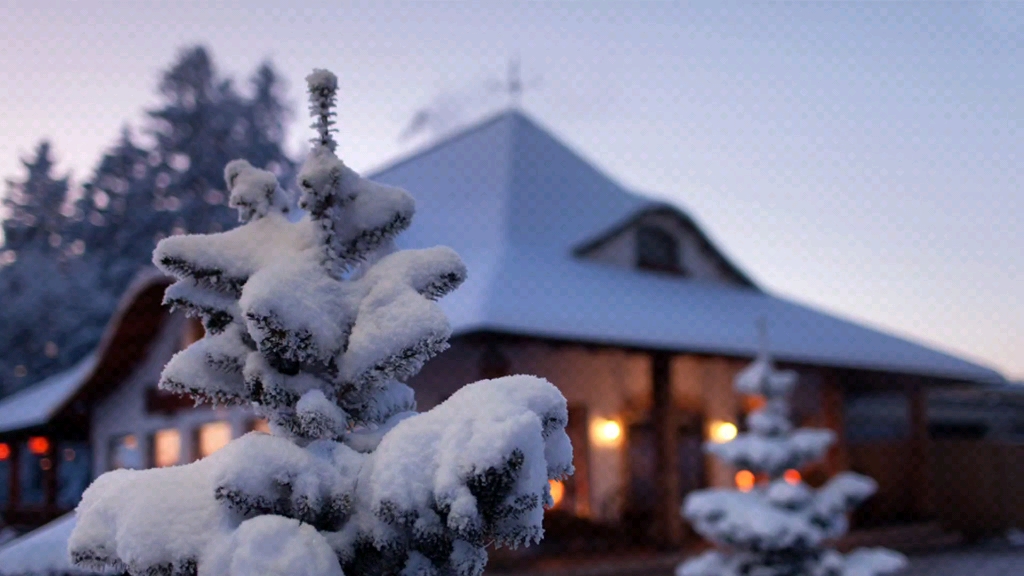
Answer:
(657, 250)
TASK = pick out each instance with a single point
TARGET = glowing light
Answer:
(261, 425)
(5, 451)
(38, 445)
(557, 492)
(213, 436)
(792, 476)
(611, 430)
(166, 448)
(745, 480)
(606, 432)
(721, 431)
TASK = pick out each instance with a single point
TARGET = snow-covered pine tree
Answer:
(780, 526)
(116, 220)
(203, 124)
(316, 323)
(36, 217)
(51, 316)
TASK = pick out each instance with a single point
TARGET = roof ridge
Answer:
(430, 147)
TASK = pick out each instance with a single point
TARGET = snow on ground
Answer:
(968, 563)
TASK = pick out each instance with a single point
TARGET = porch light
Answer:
(745, 480)
(5, 451)
(38, 445)
(792, 476)
(721, 431)
(606, 432)
(557, 488)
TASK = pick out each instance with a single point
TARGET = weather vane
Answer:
(513, 85)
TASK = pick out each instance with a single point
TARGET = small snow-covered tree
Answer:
(779, 526)
(316, 322)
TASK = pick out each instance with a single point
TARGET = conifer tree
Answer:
(50, 316)
(115, 217)
(317, 323)
(36, 208)
(779, 526)
(204, 124)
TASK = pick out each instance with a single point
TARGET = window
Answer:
(6, 457)
(657, 250)
(34, 462)
(192, 332)
(493, 363)
(74, 472)
(213, 437)
(876, 416)
(259, 425)
(166, 448)
(125, 452)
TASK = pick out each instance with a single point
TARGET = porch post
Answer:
(667, 521)
(917, 404)
(838, 459)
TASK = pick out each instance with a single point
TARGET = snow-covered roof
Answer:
(515, 203)
(38, 403)
(42, 551)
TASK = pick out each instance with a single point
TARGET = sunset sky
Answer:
(862, 158)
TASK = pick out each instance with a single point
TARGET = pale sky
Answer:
(861, 158)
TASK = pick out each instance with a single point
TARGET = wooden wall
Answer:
(977, 487)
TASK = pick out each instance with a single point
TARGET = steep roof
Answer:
(515, 203)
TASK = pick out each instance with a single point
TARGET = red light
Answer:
(5, 451)
(38, 445)
(792, 476)
(745, 480)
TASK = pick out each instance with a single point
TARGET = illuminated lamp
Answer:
(745, 480)
(557, 492)
(792, 476)
(721, 432)
(606, 432)
(38, 445)
(5, 451)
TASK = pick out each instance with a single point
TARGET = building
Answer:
(623, 302)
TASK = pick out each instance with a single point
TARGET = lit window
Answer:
(745, 480)
(125, 453)
(557, 488)
(74, 471)
(166, 448)
(260, 425)
(656, 249)
(213, 437)
(192, 333)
